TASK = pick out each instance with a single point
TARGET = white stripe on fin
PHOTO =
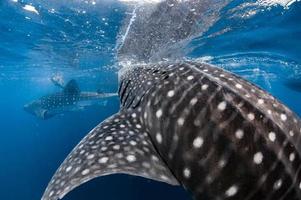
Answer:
(118, 145)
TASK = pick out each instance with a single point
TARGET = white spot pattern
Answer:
(258, 157)
(239, 134)
(283, 117)
(205, 87)
(171, 93)
(85, 172)
(272, 136)
(131, 158)
(186, 173)
(251, 116)
(239, 86)
(222, 106)
(103, 160)
(231, 191)
(159, 138)
(180, 121)
(198, 142)
(190, 78)
(159, 113)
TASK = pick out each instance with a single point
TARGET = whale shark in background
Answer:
(70, 99)
(195, 125)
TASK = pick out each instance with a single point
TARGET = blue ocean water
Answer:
(39, 39)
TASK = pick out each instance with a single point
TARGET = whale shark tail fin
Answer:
(72, 88)
(120, 144)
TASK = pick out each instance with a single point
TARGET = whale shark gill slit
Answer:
(123, 90)
(139, 98)
(128, 94)
(119, 88)
(130, 102)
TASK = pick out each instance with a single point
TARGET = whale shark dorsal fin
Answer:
(72, 88)
(118, 145)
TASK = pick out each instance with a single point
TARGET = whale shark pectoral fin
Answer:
(106, 95)
(118, 145)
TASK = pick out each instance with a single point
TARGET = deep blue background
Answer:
(77, 40)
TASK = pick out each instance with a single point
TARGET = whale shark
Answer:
(188, 123)
(195, 125)
(69, 99)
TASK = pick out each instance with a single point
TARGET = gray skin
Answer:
(196, 125)
(161, 31)
(70, 99)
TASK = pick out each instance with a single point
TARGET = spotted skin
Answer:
(218, 135)
(118, 145)
(67, 100)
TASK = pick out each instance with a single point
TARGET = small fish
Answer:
(70, 99)
(194, 125)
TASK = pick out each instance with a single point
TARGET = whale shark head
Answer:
(36, 108)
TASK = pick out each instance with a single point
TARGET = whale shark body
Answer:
(70, 99)
(195, 125)
(188, 123)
